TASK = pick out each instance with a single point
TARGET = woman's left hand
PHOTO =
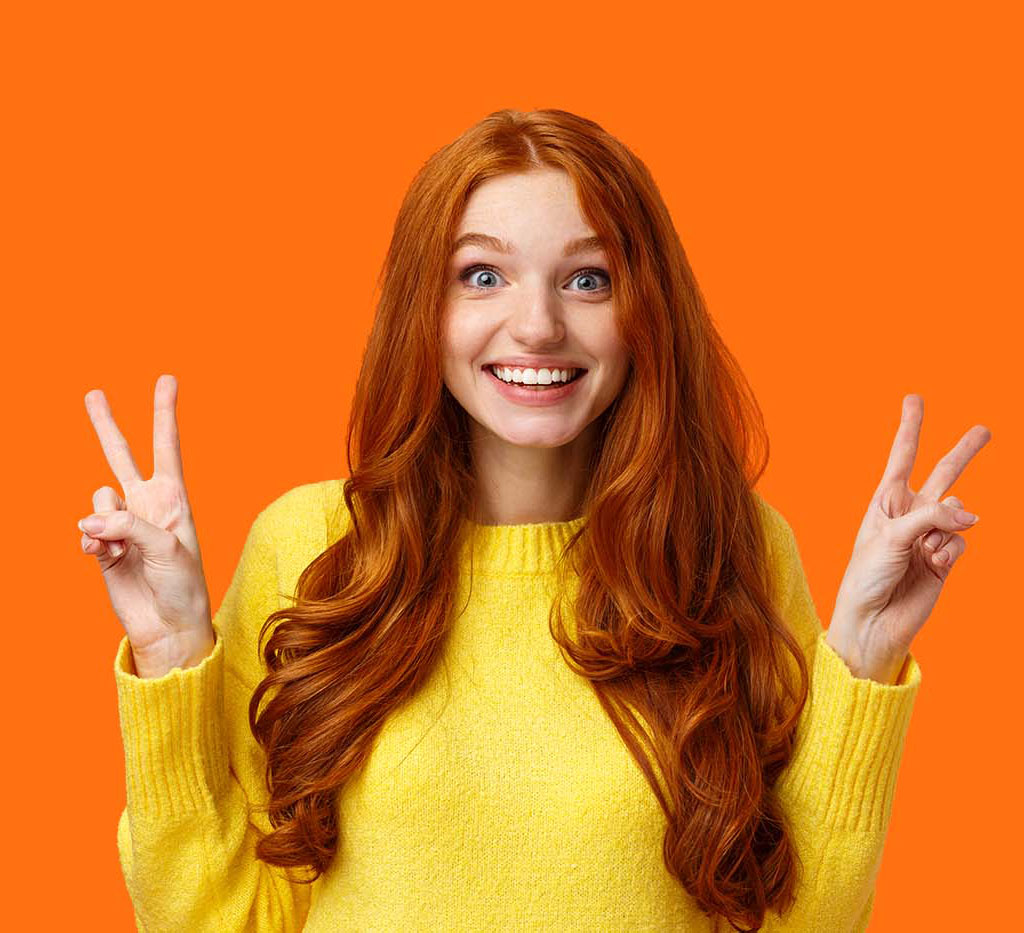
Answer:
(907, 543)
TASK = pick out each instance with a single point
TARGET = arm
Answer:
(192, 768)
(839, 786)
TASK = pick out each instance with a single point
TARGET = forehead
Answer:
(510, 209)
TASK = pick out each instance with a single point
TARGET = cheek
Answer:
(453, 337)
(597, 323)
(464, 341)
(614, 356)
(601, 339)
(465, 334)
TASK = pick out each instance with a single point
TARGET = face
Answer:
(533, 309)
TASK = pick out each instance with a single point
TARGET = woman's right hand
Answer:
(148, 550)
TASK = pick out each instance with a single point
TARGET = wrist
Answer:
(161, 659)
(864, 664)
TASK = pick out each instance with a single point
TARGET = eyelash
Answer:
(482, 267)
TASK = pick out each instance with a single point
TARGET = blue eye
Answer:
(472, 270)
(468, 273)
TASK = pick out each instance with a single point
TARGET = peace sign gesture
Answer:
(146, 543)
(906, 545)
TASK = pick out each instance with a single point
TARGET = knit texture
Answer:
(500, 797)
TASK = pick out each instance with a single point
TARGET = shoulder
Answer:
(306, 513)
(791, 590)
(783, 549)
(777, 531)
(292, 531)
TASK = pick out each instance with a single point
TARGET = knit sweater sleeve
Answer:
(186, 837)
(838, 787)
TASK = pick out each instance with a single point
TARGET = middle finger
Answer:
(955, 461)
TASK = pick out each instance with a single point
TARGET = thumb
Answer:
(906, 529)
(123, 525)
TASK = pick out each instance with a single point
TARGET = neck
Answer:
(518, 484)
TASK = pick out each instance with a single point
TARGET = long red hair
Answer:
(676, 627)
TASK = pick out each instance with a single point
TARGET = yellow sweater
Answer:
(501, 797)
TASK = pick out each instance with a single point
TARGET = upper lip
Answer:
(532, 362)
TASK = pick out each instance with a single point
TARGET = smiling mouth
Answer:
(537, 387)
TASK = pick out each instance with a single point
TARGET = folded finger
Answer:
(947, 555)
(106, 499)
(937, 539)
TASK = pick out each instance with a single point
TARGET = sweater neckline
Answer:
(532, 547)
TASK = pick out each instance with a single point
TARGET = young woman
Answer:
(545, 660)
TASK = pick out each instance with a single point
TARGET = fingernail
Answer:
(116, 550)
(92, 525)
(966, 518)
(932, 541)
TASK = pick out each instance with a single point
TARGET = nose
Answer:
(536, 318)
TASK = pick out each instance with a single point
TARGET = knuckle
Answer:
(175, 549)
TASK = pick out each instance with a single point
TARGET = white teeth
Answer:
(532, 376)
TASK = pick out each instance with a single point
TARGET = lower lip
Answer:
(523, 396)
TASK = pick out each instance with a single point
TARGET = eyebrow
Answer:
(584, 244)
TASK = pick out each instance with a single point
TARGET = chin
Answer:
(528, 438)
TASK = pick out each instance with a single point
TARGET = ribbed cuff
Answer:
(173, 730)
(849, 743)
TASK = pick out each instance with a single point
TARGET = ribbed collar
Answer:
(529, 548)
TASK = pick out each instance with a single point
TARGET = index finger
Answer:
(166, 445)
(115, 447)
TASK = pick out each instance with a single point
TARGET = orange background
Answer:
(209, 192)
